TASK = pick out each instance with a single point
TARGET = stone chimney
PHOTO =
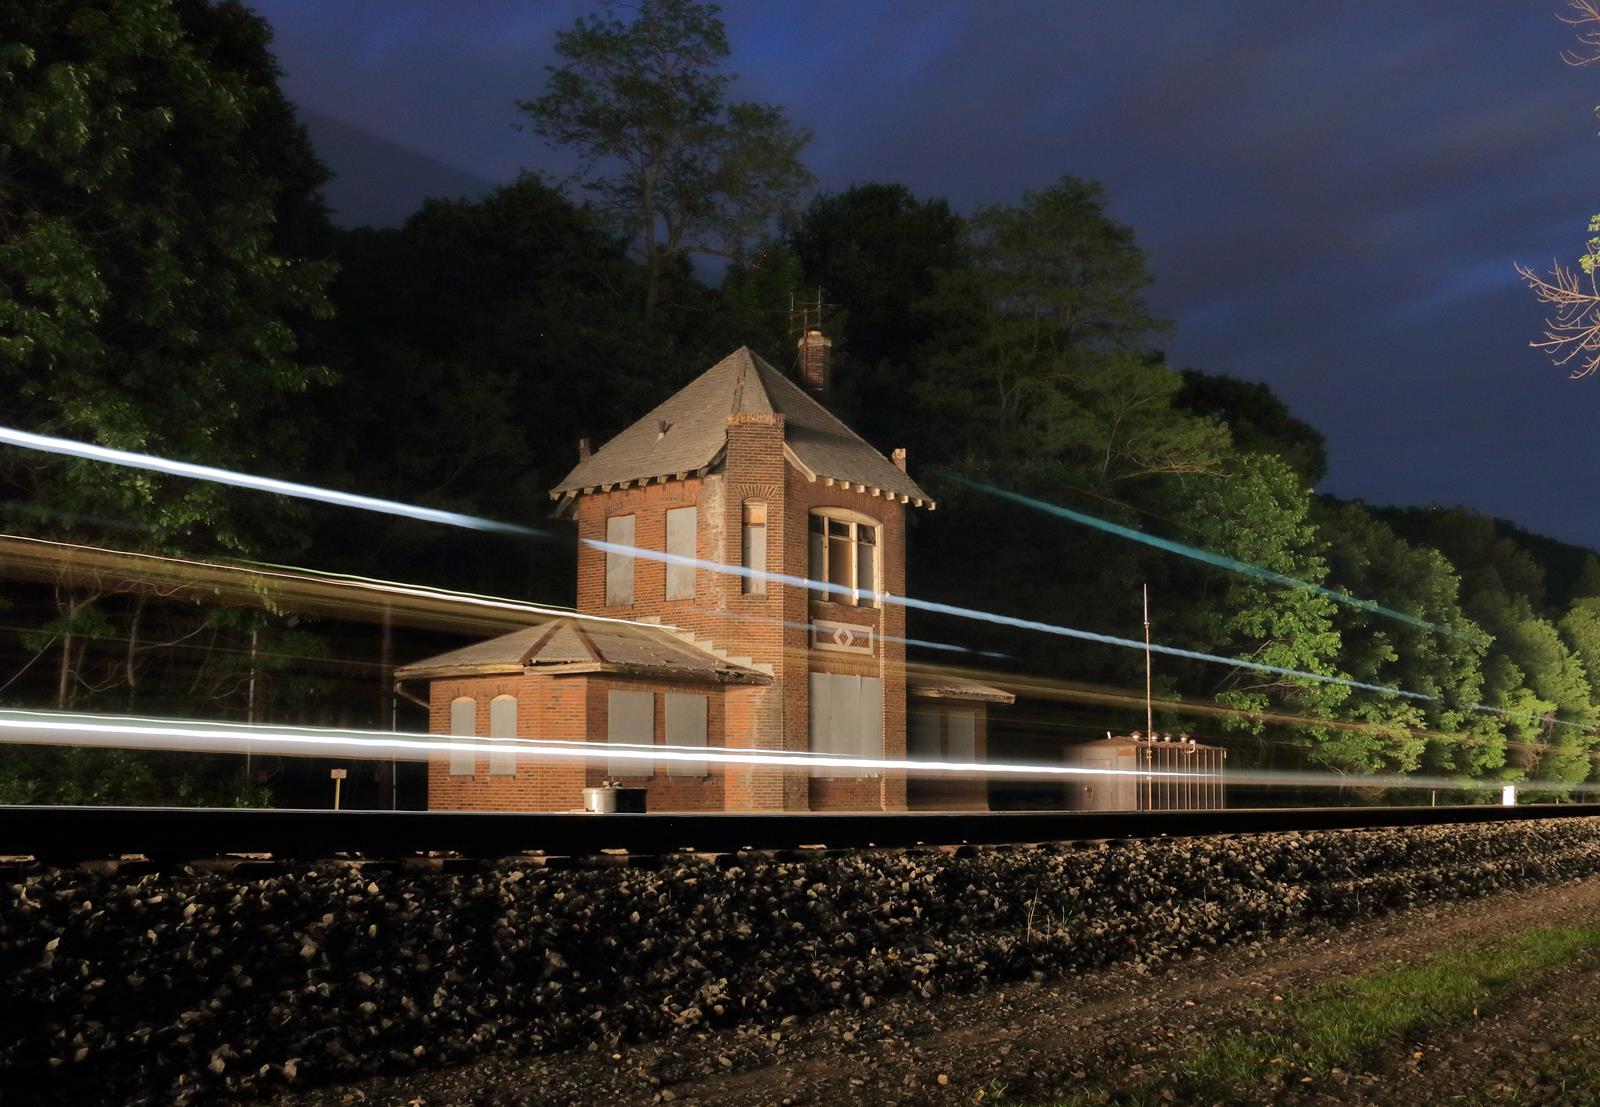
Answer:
(583, 449)
(815, 352)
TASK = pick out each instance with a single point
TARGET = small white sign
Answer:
(1508, 796)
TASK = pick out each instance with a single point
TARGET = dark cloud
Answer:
(1332, 197)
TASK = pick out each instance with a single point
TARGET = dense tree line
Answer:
(170, 282)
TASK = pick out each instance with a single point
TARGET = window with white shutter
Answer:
(630, 719)
(846, 719)
(681, 544)
(686, 726)
(463, 724)
(503, 724)
(869, 728)
(619, 562)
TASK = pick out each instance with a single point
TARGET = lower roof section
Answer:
(578, 645)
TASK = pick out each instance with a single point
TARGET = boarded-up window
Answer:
(681, 544)
(961, 734)
(943, 734)
(503, 724)
(619, 562)
(924, 737)
(463, 724)
(846, 719)
(754, 548)
(630, 720)
(686, 726)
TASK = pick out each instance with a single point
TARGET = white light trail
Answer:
(66, 447)
(197, 736)
(188, 736)
(88, 451)
(1013, 621)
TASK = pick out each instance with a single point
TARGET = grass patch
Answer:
(1349, 1021)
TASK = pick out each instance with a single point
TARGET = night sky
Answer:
(1332, 196)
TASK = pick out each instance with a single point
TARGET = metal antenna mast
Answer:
(1149, 710)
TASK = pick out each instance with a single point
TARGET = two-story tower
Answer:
(745, 525)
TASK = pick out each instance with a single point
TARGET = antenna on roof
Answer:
(812, 348)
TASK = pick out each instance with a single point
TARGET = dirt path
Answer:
(1035, 1043)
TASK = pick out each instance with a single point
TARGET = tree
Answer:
(683, 169)
(1367, 559)
(1572, 334)
(155, 194)
(877, 251)
(1258, 511)
(1257, 420)
(143, 302)
(513, 313)
(1045, 332)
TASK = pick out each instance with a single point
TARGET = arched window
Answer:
(503, 724)
(844, 557)
(463, 724)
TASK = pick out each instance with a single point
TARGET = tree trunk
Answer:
(652, 286)
(64, 679)
(131, 670)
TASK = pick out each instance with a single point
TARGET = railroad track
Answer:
(67, 835)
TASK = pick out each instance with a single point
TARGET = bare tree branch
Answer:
(1573, 333)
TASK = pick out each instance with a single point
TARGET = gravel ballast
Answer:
(187, 986)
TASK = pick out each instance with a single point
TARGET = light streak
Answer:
(1016, 622)
(306, 588)
(89, 451)
(66, 447)
(70, 448)
(126, 732)
(19, 727)
(1195, 553)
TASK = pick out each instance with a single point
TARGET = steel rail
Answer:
(72, 834)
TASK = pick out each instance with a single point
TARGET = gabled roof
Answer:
(688, 432)
(586, 646)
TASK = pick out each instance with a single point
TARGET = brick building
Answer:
(698, 527)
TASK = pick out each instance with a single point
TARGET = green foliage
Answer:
(877, 251)
(144, 301)
(1053, 294)
(1257, 420)
(681, 168)
(1368, 560)
(1259, 512)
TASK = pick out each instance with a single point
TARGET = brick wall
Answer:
(571, 707)
(547, 707)
(664, 790)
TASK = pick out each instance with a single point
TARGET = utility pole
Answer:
(1149, 710)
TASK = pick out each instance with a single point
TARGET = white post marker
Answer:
(337, 775)
(1508, 796)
